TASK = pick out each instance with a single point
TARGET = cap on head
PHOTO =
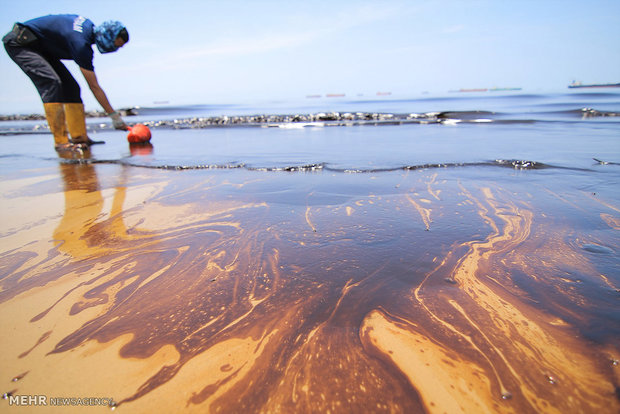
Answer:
(107, 32)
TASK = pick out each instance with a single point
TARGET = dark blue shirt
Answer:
(65, 36)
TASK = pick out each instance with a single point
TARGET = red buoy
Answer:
(139, 133)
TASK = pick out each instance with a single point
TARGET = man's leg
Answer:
(44, 75)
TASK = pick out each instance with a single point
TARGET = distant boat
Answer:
(486, 90)
(335, 95)
(313, 96)
(384, 93)
(597, 85)
(473, 90)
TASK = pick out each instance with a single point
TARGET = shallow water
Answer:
(407, 271)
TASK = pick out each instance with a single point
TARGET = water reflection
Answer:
(79, 233)
(141, 149)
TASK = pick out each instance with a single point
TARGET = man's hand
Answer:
(117, 121)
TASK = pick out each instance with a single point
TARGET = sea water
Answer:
(565, 130)
(392, 255)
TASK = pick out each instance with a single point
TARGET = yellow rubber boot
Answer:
(76, 122)
(55, 115)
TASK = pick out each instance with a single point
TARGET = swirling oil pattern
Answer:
(235, 291)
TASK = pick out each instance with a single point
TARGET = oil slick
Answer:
(207, 292)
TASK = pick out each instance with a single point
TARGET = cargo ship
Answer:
(504, 89)
(486, 90)
(598, 85)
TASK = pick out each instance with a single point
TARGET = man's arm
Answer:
(101, 97)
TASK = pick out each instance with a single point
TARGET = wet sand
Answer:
(435, 290)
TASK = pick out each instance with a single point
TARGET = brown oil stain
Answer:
(165, 293)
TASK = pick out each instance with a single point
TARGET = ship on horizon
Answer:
(494, 89)
(576, 84)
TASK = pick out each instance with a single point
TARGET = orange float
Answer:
(138, 134)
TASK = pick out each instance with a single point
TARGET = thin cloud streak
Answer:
(273, 41)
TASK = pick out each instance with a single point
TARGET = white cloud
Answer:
(296, 32)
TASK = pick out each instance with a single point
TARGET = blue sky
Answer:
(210, 52)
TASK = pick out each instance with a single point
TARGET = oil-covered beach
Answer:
(427, 255)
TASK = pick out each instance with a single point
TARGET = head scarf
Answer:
(105, 35)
